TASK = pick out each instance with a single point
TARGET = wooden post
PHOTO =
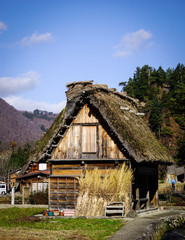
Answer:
(49, 196)
(8, 179)
(105, 209)
(13, 196)
(148, 200)
(138, 199)
(130, 199)
(58, 193)
(23, 194)
(156, 199)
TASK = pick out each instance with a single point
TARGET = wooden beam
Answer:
(96, 160)
(138, 200)
(54, 145)
(63, 176)
(148, 201)
(86, 124)
(60, 135)
(49, 196)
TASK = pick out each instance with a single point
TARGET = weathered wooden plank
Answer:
(65, 193)
(61, 188)
(67, 168)
(104, 144)
(72, 165)
(66, 172)
(89, 139)
(114, 211)
(101, 166)
(68, 142)
(107, 148)
(114, 207)
(85, 116)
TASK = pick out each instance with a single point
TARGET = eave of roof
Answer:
(34, 174)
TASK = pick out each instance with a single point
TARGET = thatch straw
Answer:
(95, 191)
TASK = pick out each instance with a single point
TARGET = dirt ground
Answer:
(39, 234)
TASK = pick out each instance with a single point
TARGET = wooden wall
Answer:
(35, 167)
(64, 185)
(28, 182)
(82, 148)
(77, 170)
(63, 192)
(67, 170)
(86, 138)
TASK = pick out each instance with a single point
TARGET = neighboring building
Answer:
(35, 178)
(102, 128)
(175, 173)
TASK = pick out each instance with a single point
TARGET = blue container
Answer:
(50, 213)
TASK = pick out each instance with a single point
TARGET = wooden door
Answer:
(89, 140)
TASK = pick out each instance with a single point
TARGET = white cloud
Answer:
(36, 39)
(3, 27)
(132, 42)
(122, 54)
(14, 85)
(29, 105)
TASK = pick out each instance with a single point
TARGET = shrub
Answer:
(38, 197)
(166, 131)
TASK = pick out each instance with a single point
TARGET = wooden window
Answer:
(42, 187)
(34, 187)
(89, 139)
(42, 166)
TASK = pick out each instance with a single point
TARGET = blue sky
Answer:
(45, 44)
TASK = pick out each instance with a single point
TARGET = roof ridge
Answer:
(76, 89)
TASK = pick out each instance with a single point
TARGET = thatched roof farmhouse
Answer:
(100, 127)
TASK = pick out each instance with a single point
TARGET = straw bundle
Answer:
(95, 191)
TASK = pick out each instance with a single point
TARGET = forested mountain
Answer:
(14, 126)
(42, 119)
(18, 133)
(163, 92)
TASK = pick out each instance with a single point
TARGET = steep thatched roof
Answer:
(117, 112)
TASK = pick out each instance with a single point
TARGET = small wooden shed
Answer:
(102, 128)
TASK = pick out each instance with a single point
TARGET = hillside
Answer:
(15, 127)
(42, 119)
(163, 95)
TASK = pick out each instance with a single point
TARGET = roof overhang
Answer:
(34, 174)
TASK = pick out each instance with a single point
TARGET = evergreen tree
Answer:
(181, 150)
(18, 158)
(164, 95)
(155, 118)
(161, 76)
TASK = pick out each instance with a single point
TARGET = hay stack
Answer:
(95, 191)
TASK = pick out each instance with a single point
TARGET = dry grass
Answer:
(95, 191)
(164, 187)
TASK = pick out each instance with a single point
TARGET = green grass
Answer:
(88, 228)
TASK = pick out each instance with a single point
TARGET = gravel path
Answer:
(22, 206)
(136, 227)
